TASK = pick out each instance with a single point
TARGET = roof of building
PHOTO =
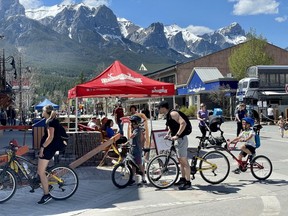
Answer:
(207, 74)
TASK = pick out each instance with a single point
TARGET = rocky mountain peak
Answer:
(11, 8)
(234, 29)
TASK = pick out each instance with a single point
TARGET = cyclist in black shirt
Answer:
(176, 126)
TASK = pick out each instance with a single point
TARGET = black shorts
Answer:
(250, 148)
(49, 152)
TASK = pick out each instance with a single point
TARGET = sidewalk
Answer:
(96, 193)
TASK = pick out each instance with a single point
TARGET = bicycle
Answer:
(260, 165)
(163, 169)
(63, 181)
(122, 174)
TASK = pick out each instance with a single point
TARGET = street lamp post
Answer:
(3, 71)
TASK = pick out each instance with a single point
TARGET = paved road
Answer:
(238, 195)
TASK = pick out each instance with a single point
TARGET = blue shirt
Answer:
(110, 132)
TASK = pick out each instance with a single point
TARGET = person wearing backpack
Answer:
(248, 137)
(51, 142)
(179, 127)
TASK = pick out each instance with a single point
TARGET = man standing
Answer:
(119, 113)
(240, 114)
(176, 126)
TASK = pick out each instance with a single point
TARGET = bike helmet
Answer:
(135, 119)
(249, 120)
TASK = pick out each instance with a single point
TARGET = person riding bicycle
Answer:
(248, 136)
(137, 138)
(176, 126)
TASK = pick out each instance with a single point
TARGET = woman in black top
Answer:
(50, 143)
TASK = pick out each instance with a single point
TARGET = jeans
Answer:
(120, 125)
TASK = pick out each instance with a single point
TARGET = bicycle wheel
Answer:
(261, 167)
(7, 185)
(121, 175)
(64, 182)
(162, 171)
(215, 167)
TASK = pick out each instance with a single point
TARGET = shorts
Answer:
(137, 158)
(250, 148)
(181, 145)
(49, 152)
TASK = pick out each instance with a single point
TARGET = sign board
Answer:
(162, 145)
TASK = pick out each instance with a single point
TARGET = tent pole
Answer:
(68, 114)
(174, 106)
(151, 129)
(106, 106)
(76, 114)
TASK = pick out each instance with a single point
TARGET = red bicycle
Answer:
(259, 165)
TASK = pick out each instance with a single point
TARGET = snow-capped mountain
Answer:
(97, 33)
(180, 39)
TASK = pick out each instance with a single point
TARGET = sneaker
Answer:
(132, 182)
(180, 182)
(185, 186)
(45, 198)
(143, 182)
(237, 171)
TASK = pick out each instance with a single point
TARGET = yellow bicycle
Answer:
(163, 169)
(17, 170)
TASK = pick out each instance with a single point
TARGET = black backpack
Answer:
(63, 137)
(188, 128)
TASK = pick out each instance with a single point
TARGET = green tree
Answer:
(248, 54)
(81, 78)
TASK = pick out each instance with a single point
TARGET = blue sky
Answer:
(267, 17)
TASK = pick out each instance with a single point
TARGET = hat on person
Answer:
(280, 117)
(249, 120)
(163, 104)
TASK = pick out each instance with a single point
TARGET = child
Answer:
(248, 136)
(137, 145)
(281, 123)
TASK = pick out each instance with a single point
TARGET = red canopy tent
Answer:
(121, 81)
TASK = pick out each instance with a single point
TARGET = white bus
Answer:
(247, 89)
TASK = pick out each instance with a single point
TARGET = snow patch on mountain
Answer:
(50, 11)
